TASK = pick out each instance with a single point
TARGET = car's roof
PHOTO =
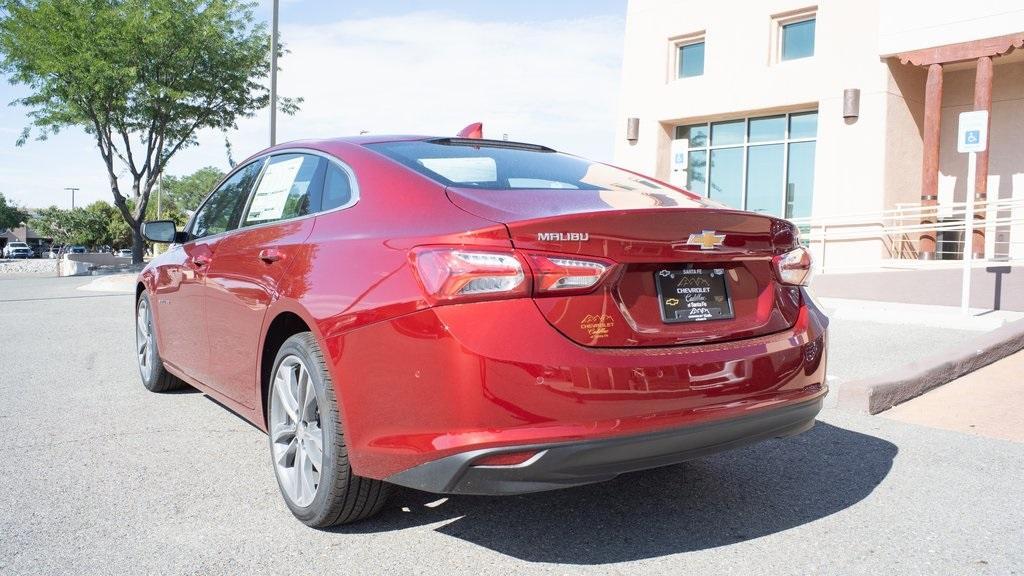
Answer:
(328, 144)
(361, 139)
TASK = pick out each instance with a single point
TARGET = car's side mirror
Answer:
(163, 231)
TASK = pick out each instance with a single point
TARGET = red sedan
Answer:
(471, 316)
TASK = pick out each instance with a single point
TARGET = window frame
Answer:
(315, 202)
(265, 159)
(745, 145)
(780, 21)
(192, 221)
(675, 46)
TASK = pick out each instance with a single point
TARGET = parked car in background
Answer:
(53, 252)
(477, 317)
(76, 250)
(17, 250)
(124, 253)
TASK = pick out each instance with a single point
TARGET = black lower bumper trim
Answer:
(568, 464)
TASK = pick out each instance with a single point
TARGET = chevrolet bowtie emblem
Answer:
(706, 239)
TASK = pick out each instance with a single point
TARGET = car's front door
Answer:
(250, 263)
(178, 307)
(181, 285)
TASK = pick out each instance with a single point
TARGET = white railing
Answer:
(899, 229)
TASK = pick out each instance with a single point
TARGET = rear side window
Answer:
(223, 208)
(289, 188)
(337, 187)
(499, 165)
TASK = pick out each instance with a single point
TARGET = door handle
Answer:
(270, 255)
(200, 260)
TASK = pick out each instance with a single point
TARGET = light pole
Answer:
(73, 190)
(273, 78)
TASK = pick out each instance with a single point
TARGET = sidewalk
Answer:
(993, 286)
(988, 402)
(869, 338)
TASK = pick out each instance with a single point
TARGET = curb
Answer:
(873, 395)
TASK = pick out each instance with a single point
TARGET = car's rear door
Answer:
(250, 264)
(181, 280)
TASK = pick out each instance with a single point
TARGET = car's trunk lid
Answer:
(647, 235)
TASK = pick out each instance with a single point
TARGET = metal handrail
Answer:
(900, 229)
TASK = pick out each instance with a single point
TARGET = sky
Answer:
(537, 70)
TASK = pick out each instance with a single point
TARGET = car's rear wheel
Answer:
(307, 445)
(155, 377)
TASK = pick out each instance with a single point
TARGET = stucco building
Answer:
(828, 109)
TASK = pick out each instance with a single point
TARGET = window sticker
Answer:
(269, 201)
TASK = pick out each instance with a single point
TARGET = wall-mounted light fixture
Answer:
(632, 129)
(851, 103)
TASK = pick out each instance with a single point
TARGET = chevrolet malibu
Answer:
(468, 316)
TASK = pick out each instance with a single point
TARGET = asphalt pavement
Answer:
(101, 477)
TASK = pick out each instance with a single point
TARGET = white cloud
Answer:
(433, 73)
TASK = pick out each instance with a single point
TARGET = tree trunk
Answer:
(138, 244)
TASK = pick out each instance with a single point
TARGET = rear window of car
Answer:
(499, 165)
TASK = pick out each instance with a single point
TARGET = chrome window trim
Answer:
(265, 159)
(235, 170)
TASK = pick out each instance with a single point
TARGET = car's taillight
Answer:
(563, 275)
(450, 274)
(794, 267)
(458, 274)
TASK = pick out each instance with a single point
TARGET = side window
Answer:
(287, 189)
(224, 207)
(337, 187)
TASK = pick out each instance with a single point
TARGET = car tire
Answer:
(155, 376)
(297, 423)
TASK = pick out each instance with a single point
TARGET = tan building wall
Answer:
(862, 165)
(1006, 140)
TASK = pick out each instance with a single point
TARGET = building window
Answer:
(792, 34)
(691, 60)
(686, 56)
(798, 40)
(763, 164)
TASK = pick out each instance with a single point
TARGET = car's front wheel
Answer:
(307, 444)
(155, 377)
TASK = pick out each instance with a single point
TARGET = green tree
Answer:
(141, 76)
(11, 216)
(184, 193)
(57, 223)
(93, 225)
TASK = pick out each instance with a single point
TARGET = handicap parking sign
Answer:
(972, 131)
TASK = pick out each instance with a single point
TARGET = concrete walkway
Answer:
(993, 287)
(988, 402)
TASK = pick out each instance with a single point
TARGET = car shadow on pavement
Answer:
(715, 501)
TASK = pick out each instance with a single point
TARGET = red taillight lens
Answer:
(794, 267)
(450, 274)
(563, 275)
(457, 274)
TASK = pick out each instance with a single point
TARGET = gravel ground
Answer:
(30, 267)
(101, 477)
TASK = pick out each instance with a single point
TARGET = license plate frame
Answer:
(705, 296)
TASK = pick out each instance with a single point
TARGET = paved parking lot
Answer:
(101, 477)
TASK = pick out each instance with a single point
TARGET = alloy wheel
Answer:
(296, 436)
(144, 339)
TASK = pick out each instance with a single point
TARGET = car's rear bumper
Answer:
(574, 463)
(454, 380)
